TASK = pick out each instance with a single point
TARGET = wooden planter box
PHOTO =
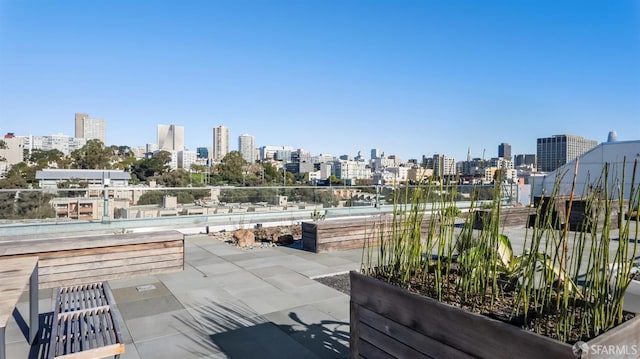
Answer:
(509, 217)
(582, 219)
(389, 321)
(327, 236)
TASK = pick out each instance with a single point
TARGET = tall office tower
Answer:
(171, 137)
(90, 128)
(375, 153)
(504, 151)
(220, 142)
(557, 150)
(247, 147)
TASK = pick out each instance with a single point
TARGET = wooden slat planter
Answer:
(582, 219)
(389, 321)
(87, 259)
(326, 236)
(509, 217)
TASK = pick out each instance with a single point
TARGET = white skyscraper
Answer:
(90, 128)
(220, 142)
(247, 147)
(170, 137)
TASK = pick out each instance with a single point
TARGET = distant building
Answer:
(613, 136)
(247, 147)
(349, 170)
(504, 150)
(300, 162)
(220, 142)
(443, 165)
(471, 167)
(500, 163)
(49, 178)
(524, 159)
(557, 150)
(380, 163)
(186, 159)
(151, 148)
(170, 137)
(590, 167)
(12, 153)
(63, 143)
(268, 153)
(90, 128)
(282, 155)
(202, 152)
(375, 153)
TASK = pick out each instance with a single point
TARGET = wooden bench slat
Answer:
(106, 271)
(87, 315)
(102, 352)
(53, 259)
(30, 244)
(89, 277)
(93, 264)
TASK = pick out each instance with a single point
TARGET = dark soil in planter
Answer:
(542, 321)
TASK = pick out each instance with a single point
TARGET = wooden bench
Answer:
(85, 323)
(89, 258)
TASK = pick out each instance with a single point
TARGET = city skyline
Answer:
(408, 78)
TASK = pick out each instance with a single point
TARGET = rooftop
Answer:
(227, 303)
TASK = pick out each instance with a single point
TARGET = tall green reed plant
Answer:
(561, 271)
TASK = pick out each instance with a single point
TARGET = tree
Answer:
(177, 178)
(122, 157)
(20, 176)
(232, 167)
(156, 165)
(270, 173)
(42, 158)
(93, 155)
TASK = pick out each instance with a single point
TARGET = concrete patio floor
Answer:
(230, 303)
(227, 303)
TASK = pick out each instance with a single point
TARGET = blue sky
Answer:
(332, 76)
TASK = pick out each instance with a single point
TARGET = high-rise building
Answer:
(170, 137)
(269, 152)
(247, 147)
(375, 153)
(220, 142)
(525, 159)
(90, 128)
(443, 165)
(60, 142)
(557, 150)
(203, 152)
(504, 151)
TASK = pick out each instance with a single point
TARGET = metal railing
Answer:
(126, 208)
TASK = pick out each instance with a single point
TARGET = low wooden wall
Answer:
(388, 321)
(509, 217)
(326, 236)
(95, 258)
